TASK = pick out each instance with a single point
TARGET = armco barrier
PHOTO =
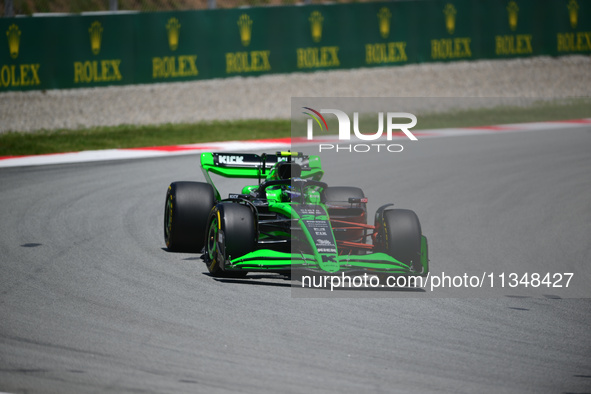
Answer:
(118, 49)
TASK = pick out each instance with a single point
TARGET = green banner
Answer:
(131, 48)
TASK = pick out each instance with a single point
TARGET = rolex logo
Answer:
(316, 20)
(384, 21)
(573, 13)
(14, 38)
(173, 27)
(245, 27)
(450, 17)
(512, 11)
(96, 33)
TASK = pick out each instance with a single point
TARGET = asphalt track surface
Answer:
(91, 301)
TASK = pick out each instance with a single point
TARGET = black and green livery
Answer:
(290, 220)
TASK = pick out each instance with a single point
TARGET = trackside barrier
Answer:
(119, 49)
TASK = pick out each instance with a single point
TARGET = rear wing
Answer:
(252, 165)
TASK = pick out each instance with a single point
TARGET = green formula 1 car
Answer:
(289, 220)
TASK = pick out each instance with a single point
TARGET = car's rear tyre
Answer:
(231, 233)
(401, 237)
(339, 195)
(186, 211)
(336, 199)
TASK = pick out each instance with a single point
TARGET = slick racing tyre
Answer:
(339, 195)
(401, 237)
(231, 233)
(185, 215)
(336, 199)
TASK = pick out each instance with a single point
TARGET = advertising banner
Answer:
(136, 48)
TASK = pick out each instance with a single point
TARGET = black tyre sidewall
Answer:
(239, 227)
(191, 204)
(237, 223)
(336, 199)
(339, 195)
(402, 236)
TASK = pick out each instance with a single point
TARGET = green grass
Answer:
(14, 144)
(538, 112)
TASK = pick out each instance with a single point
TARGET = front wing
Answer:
(265, 260)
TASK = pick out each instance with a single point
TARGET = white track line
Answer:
(261, 145)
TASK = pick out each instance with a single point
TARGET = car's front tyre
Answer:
(400, 237)
(231, 233)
